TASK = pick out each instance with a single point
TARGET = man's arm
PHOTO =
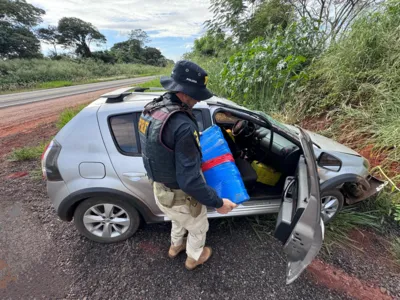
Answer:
(188, 164)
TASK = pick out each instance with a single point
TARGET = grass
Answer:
(350, 218)
(27, 153)
(152, 83)
(68, 114)
(54, 84)
(24, 75)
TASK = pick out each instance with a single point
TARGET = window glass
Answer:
(123, 129)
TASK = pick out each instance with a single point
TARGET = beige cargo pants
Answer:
(183, 222)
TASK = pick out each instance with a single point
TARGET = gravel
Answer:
(42, 257)
(46, 258)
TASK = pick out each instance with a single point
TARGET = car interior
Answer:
(264, 169)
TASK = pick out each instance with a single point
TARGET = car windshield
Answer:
(286, 128)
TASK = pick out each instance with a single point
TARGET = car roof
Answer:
(137, 101)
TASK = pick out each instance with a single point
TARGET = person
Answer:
(169, 137)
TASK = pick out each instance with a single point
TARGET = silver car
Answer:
(95, 175)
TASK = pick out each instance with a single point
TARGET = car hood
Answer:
(326, 144)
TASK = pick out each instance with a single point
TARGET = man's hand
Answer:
(227, 207)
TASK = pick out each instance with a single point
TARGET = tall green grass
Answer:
(27, 153)
(25, 74)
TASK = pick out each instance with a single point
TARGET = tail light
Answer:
(49, 162)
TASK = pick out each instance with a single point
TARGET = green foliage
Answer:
(16, 38)
(54, 84)
(74, 32)
(139, 35)
(131, 51)
(356, 81)
(68, 114)
(269, 16)
(17, 41)
(264, 72)
(349, 218)
(152, 83)
(17, 73)
(49, 35)
(27, 153)
(212, 44)
(20, 13)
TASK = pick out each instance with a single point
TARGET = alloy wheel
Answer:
(106, 220)
(329, 207)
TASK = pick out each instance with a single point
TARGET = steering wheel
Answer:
(243, 127)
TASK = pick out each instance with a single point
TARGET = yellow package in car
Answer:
(266, 174)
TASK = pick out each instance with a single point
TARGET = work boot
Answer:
(191, 264)
(175, 250)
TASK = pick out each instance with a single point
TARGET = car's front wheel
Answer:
(331, 203)
(106, 220)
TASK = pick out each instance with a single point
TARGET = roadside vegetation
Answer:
(47, 73)
(339, 80)
(23, 65)
(27, 153)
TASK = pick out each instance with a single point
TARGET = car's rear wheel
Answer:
(106, 220)
(331, 203)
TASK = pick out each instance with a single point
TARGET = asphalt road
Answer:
(41, 95)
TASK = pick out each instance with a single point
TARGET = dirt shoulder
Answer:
(43, 257)
(23, 118)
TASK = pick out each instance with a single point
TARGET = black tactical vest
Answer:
(158, 158)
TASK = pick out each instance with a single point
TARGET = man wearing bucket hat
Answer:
(169, 137)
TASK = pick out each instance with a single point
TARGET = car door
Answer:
(299, 225)
(121, 138)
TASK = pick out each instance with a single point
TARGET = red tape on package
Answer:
(207, 165)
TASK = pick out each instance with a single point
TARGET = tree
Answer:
(247, 19)
(268, 16)
(49, 35)
(212, 43)
(18, 42)
(331, 17)
(20, 13)
(139, 35)
(79, 34)
(105, 56)
(153, 56)
(16, 39)
(128, 52)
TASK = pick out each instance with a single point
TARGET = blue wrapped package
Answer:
(218, 166)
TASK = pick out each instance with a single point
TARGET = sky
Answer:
(172, 25)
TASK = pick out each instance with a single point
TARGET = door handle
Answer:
(134, 176)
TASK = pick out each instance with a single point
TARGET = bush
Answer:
(263, 73)
(19, 73)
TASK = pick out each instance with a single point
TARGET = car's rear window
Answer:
(123, 129)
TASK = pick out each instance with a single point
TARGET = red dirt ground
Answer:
(334, 278)
(17, 119)
(28, 124)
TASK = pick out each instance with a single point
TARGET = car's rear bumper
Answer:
(374, 186)
(57, 192)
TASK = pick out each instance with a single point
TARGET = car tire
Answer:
(331, 203)
(106, 220)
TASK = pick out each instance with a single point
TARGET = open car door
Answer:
(299, 226)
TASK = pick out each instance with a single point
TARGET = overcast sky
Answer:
(173, 25)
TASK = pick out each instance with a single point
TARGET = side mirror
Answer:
(329, 162)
